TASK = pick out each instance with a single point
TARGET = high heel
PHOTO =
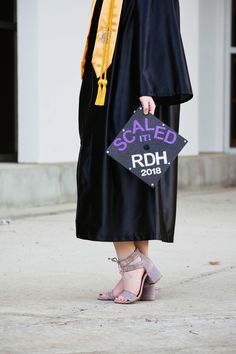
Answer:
(151, 274)
(149, 293)
(154, 274)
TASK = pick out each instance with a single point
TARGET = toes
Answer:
(121, 299)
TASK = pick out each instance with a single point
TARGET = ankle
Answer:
(127, 258)
(132, 262)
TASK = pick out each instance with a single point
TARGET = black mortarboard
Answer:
(146, 146)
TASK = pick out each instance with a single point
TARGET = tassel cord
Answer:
(102, 82)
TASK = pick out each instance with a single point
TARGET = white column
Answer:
(51, 39)
(27, 63)
(211, 64)
(189, 122)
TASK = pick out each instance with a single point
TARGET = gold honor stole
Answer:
(104, 44)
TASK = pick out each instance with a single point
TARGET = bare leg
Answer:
(124, 249)
(142, 246)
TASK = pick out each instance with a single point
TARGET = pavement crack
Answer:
(203, 275)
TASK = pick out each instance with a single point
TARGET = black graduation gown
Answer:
(113, 204)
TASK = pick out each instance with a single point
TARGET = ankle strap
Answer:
(124, 264)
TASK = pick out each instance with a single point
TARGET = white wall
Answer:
(51, 38)
(211, 75)
(51, 35)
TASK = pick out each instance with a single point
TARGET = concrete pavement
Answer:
(49, 280)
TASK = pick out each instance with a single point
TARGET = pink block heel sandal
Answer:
(147, 287)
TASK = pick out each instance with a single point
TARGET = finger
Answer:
(145, 106)
(152, 107)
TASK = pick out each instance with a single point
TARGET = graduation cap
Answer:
(146, 147)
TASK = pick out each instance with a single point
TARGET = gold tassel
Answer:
(99, 93)
(104, 91)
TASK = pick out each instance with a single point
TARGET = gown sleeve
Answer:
(162, 67)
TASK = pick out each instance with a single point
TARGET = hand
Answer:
(148, 104)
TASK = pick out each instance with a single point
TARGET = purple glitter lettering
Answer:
(174, 137)
(125, 138)
(119, 143)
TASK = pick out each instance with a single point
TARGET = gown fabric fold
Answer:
(113, 204)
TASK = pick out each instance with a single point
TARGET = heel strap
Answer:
(153, 273)
(124, 264)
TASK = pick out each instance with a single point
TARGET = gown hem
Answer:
(125, 237)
